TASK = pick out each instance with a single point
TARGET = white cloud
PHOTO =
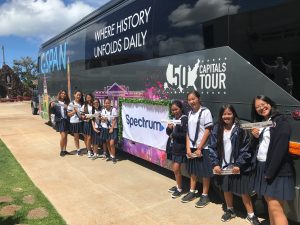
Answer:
(177, 45)
(203, 10)
(41, 19)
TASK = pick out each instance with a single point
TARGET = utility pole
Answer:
(3, 55)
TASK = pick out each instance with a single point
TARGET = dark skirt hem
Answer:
(201, 167)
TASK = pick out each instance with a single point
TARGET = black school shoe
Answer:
(62, 153)
(253, 220)
(228, 215)
(176, 194)
(189, 197)
(204, 200)
(172, 189)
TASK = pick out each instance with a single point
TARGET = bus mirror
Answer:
(296, 114)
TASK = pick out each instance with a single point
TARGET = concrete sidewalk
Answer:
(87, 192)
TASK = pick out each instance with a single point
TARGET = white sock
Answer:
(204, 194)
(192, 190)
(230, 208)
(179, 189)
(78, 150)
(250, 215)
(112, 156)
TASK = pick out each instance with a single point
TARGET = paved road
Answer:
(87, 192)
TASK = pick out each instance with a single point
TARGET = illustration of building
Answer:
(115, 91)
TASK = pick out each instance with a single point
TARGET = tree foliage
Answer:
(26, 70)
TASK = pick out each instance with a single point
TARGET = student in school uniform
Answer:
(274, 175)
(87, 109)
(76, 118)
(198, 163)
(229, 149)
(59, 108)
(110, 130)
(177, 144)
(97, 129)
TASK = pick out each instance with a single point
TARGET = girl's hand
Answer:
(255, 132)
(111, 130)
(198, 152)
(52, 104)
(189, 153)
(170, 126)
(236, 170)
(217, 170)
(96, 130)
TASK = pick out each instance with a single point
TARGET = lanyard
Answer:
(197, 128)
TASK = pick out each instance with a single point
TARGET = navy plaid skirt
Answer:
(107, 136)
(104, 134)
(201, 167)
(97, 138)
(238, 184)
(87, 128)
(113, 135)
(75, 128)
(62, 125)
(281, 188)
(179, 158)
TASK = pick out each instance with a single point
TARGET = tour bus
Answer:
(144, 53)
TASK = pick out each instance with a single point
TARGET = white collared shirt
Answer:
(76, 117)
(227, 146)
(205, 121)
(111, 112)
(263, 144)
(62, 109)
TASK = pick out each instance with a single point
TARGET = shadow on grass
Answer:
(11, 220)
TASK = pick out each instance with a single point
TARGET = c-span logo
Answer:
(144, 123)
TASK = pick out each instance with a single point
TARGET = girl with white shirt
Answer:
(62, 123)
(110, 129)
(97, 128)
(229, 149)
(274, 176)
(87, 109)
(198, 163)
(75, 118)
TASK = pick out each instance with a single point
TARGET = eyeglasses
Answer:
(261, 106)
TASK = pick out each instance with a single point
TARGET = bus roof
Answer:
(84, 20)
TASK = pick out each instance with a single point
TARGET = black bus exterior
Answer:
(228, 50)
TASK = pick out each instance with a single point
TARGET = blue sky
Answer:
(26, 24)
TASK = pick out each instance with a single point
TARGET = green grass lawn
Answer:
(15, 183)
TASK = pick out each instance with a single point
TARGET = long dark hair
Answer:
(67, 98)
(255, 117)
(81, 101)
(179, 104)
(196, 93)
(220, 131)
(99, 108)
(86, 102)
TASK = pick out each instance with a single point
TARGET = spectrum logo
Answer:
(142, 122)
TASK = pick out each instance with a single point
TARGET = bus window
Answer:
(269, 41)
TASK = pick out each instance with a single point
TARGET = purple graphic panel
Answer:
(145, 152)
